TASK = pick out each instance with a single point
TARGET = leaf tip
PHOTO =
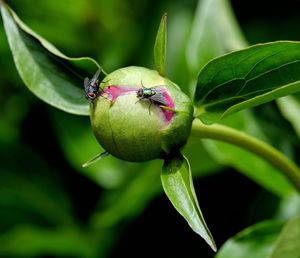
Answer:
(95, 158)
(163, 21)
(214, 247)
(160, 45)
(164, 16)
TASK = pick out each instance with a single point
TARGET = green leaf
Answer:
(177, 182)
(289, 107)
(25, 241)
(27, 193)
(74, 131)
(255, 241)
(179, 27)
(201, 167)
(214, 32)
(245, 162)
(247, 78)
(289, 207)
(126, 202)
(49, 74)
(287, 245)
(160, 46)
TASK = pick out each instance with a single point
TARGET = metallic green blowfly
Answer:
(153, 94)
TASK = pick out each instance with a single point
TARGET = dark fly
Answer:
(91, 86)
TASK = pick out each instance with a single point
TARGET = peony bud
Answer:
(139, 115)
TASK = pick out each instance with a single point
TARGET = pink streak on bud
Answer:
(115, 91)
(168, 101)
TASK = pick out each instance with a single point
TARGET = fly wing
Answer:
(86, 81)
(95, 77)
(159, 98)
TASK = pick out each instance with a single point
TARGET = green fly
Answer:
(153, 94)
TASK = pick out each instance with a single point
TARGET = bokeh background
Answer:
(50, 206)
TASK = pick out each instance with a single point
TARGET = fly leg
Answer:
(150, 105)
(139, 100)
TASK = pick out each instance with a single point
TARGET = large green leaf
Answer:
(244, 161)
(28, 194)
(160, 46)
(287, 245)
(256, 241)
(290, 107)
(247, 78)
(36, 214)
(214, 32)
(177, 182)
(127, 201)
(179, 27)
(289, 207)
(26, 241)
(49, 74)
(204, 166)
(74, 132)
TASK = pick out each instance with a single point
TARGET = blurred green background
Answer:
(51, 207)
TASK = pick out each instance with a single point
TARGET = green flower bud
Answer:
(139, 115)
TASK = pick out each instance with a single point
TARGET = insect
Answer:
(91, 86)
(153, 94)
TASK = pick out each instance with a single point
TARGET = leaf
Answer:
(27, 194)
(25, 241)
(289, 207)
(246, 162)
(289, 107)
(179, 27)
(74, 131)
(255, 241)
(126, 202)
(247, 78)
(201, 167)
(96, 158)
(49, 74)
(178, 185)
(214, 32)
(160, 46)
(287, 245)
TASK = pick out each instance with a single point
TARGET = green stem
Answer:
(250, 143)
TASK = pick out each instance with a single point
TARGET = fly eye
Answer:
(92, 95)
